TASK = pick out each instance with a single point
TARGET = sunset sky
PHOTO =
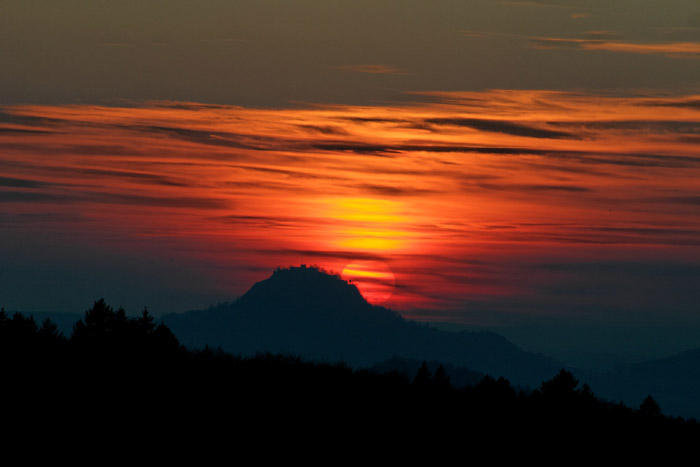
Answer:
(528, 166)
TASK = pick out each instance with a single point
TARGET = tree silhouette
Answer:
(423, 376)
(112, 345)
(441, 379)
(649, 407)
(146, 321)
(100, 324)
(563, 385)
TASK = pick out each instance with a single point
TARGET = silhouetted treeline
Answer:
(119, 369)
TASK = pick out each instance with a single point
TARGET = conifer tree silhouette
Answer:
(563, 385)
(649, 407)
(423, 376)
(441, 379)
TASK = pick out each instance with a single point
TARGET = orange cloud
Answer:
(457, 194)
(670, 49)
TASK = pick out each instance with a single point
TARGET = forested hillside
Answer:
(118, 368)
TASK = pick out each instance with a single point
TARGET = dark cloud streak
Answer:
(500, 126)
(114, 198)
(524, 188)
(21, 183)
(645, 126)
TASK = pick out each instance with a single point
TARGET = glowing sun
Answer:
(373, 279)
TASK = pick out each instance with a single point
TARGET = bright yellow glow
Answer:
(366, 210)
(373, 279)
(353, 270)
(369, 243)
(368, 224)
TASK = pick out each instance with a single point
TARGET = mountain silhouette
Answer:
(307, 312)
(674, 382)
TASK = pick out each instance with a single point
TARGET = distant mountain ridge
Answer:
(306, 312)
(673, 381)
(316, 315)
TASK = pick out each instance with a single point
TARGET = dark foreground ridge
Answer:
(116, 371)
(307, 312)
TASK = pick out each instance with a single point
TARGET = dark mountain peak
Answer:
(308, 312)
(304, 286)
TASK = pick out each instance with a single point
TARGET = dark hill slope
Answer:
(673, 381)
(307, 312)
